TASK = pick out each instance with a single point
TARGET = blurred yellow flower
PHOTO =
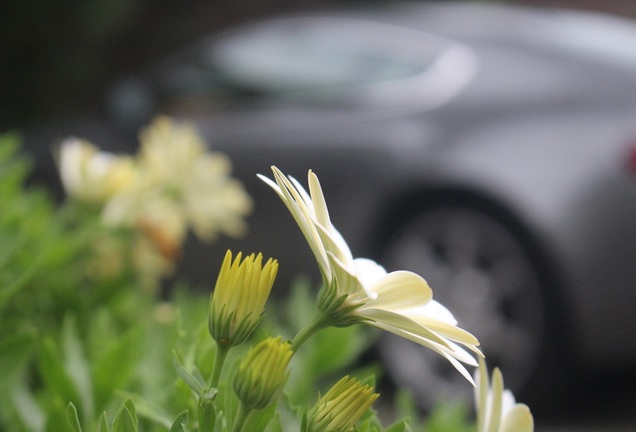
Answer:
(171, 186)
(497, 410)
(180, 185)
(91, 175)
(238, 300)
(341, 407)
(360, 290)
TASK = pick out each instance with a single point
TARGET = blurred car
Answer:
(491, 149)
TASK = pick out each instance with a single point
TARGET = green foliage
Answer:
(78, 349)
(327, 353)
(34, 247)
(449, 417)
(45, 264)
(125, 419)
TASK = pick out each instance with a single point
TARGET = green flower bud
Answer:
(341, 407)
(338, 310)
(238, 300)
(262, 373)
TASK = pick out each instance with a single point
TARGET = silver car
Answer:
(491, 149)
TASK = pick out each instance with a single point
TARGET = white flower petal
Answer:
(318, 200)
(399, 324)
(368, 272)
(348, 282)
(518, 419)
(400, 290)
(495, 401)
(302, 215)
(399, 302)
(496, 407)
(333, 243)
(455, 355)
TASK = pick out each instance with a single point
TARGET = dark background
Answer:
(58, 56)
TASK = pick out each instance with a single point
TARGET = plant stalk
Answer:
(219, 361)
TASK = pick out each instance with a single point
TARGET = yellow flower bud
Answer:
(238, 300)
(262, 373)
(341, 407)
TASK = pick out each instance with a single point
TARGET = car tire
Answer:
(481, 270)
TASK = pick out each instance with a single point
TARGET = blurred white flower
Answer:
(497, 410)
(91, 175)
(360, 290)
(180, 185)
(171, 186)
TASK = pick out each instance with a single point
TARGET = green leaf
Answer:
(103, 423)
(126, 418)
(130, 406)
(56, 416)
(399, 426)
(26, 406)
(303, 423)
(300, 304)
(149, 410)
(114, 364)
(54, 373)
(449, 416)
(337, 348)
(71, 417)
(77, 367)
(406, 408)
(275, 425)
(195, 383)
(260, 419)
(16, 285)
(207, 414)
(181, 423)
(14, 352)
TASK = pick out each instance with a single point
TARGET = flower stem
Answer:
(318, 322)
(219, 360)
(241, 417)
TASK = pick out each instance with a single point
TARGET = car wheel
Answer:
(480, 270)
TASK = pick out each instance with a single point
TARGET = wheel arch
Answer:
(412, 202)
(404, 206)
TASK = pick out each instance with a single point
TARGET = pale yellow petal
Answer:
(458, 353)
(369, 272)
(400, 290)
(399, 324)
(92, 175)
(334, 243)
(332, 239)
(435, 309)
(495, 401)
(507, 402)
(481, 395)
(438, 318)
(455, 355)
(318, 200)
(518, 419)
(302, 215)
(449, 331)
